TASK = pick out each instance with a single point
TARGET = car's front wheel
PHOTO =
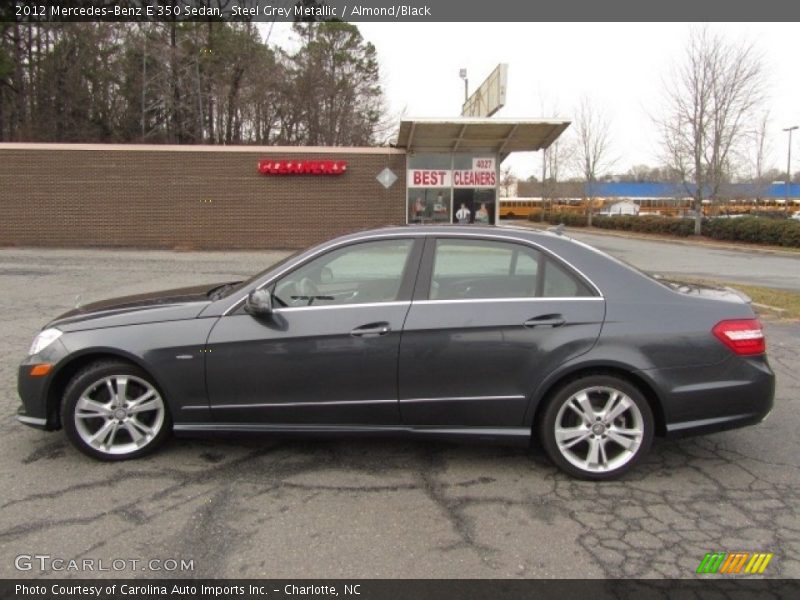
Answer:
(113, 411)
(597, 427)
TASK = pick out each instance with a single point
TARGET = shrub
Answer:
(646, 224)
(778, 232)
(568, 219)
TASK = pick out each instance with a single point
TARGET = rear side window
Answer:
(560, 283)
(474, 269)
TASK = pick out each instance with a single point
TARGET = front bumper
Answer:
(35, 422)
(34, 391)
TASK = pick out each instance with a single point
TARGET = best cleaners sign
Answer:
(482, 175)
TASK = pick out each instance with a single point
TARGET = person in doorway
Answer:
(482, 214)
(463, 214)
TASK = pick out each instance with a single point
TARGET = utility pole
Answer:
(789, 166)
(544, 173)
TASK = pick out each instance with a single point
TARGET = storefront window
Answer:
(452, 188)
(428, 205)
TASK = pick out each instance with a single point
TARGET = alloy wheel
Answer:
(119, 414)
(599, 429)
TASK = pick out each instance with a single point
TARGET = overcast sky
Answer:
(620, 66)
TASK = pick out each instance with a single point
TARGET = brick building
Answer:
(215, 197)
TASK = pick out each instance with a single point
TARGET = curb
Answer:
(781, 312)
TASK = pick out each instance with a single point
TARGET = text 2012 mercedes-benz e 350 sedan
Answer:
(440, 332)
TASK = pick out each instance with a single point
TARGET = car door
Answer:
(328, 354)
(489, 319)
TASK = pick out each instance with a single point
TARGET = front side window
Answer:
(474, 269)
(363, 272)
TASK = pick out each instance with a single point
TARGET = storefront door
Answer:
(474, 205)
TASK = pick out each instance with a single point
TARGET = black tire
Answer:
(100, 383)
(611, 447)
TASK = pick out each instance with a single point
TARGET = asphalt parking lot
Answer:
(371, 508)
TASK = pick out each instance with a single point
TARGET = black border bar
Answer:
(400, 10)
(741, 588)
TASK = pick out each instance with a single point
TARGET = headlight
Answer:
(43, 340)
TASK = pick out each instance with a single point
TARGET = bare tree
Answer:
(710, 98)
(557, 159)
(508, 182)
(593, 133)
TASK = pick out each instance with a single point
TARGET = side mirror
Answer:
(259, 303)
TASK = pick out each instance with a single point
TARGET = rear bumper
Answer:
(737, 392)
(701, 426)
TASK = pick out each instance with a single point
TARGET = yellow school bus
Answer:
(523, 208)
(518, 208)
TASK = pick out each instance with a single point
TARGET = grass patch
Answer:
(788, 301)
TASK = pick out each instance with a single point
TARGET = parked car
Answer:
(447, 332)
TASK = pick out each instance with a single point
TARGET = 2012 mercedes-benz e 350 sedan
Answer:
(439, 332)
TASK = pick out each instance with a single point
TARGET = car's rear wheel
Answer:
(597, 427)
(114, 411)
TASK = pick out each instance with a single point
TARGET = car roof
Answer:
(494, 230)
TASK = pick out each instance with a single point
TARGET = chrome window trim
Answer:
(283, 309)
(515, 299)
(416, 234)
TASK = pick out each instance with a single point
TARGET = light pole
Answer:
(463, 74)
(789, 166)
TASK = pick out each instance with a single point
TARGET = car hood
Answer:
(167, 305)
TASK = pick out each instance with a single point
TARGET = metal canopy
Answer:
(501, 136)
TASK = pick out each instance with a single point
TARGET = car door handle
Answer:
(371, 330)
(545, 321)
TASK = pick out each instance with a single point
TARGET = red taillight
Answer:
(743, 336)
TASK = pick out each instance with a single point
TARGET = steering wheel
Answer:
(308, 289)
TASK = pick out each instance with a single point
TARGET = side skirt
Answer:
(516, 436)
